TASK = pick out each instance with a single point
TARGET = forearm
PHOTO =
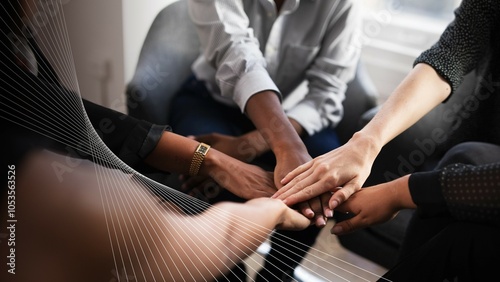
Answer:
(421, 91)
(224, 235)
(254, 142)
(266, 112)
(174, 153)
(401, 193)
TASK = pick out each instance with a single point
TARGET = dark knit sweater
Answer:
(470, 43)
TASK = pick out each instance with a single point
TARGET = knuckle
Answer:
(323, 168)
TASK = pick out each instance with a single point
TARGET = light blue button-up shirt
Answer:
(248, 47)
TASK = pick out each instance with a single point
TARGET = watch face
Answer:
(203, 149)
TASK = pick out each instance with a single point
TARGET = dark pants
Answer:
(195, 112)
(444, 249)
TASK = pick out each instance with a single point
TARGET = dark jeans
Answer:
(195, 112)
(444, 249)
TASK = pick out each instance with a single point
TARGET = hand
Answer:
(244, 180)
(347, 166)
(315, 208)
(288, 218)
(244, 148)
(374, 205)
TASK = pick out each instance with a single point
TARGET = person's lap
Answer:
(422, 231)
(461, 251)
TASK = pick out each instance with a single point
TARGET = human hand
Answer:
(374, 205)
(315, 208)
(244, 180)
(347, 166)
(288, 219)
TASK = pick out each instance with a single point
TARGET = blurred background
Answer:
(105, 38)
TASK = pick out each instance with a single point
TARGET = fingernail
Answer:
(336, 229)
(329, 213)
(321, 222)
(310, 213)
(334, 204)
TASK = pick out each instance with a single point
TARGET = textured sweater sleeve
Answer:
(464, 42)
(472, 193)
(466, 192)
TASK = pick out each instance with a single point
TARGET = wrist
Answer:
(198, 158)
(285, 149)
(369, 143)
(211, 163)
(402, 193)
(256, 142)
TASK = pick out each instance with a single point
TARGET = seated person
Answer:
(38, 112)
(63, 203)
(458, 242)
(254, 54)
(453, 235)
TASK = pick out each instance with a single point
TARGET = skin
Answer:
(349, 165)
(391, 197)
(281, 135)
(175, 152)
(93, 220)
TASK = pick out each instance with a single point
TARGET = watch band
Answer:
(198, 157)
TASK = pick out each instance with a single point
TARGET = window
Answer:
(395, 32)
(442, 9)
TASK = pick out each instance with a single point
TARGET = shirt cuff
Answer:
(426, 192)
(307, 116)
(252, 83)
(141, 141)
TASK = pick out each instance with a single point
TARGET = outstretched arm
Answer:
(349, 165)
(437, 73)
(174, 153)
(107, 224)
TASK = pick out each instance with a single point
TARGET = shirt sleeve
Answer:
(466, 192)
(334, 66)
(48, 116)
(464, 42)
(132, 140)
(229, 45)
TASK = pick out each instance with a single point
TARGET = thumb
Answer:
(347, 226)
(341, 195)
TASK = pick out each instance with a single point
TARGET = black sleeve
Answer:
(132, 140)
(36, 114)
(426, 193)
(464, 42)
(472, 193)
(465, 192)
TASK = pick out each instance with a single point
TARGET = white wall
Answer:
(94, 45)
(83, 39)
(137, 18)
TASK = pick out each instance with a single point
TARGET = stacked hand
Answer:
(327, 174)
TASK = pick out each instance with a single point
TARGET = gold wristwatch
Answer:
(198, 157)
